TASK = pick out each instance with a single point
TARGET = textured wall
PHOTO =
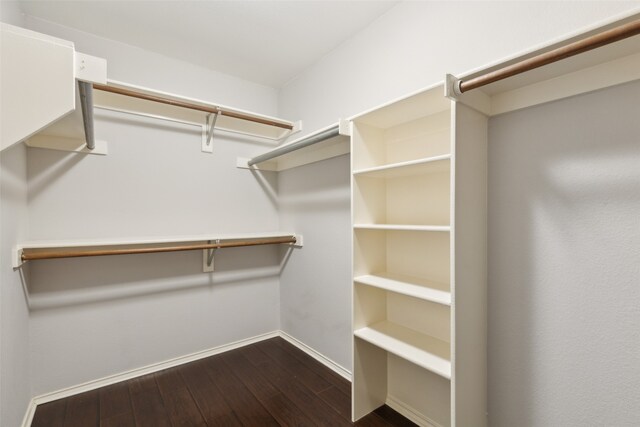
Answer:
(15, 387)
(15, 374)
(96, 317)
(564, 262)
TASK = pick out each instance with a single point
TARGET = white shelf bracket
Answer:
(208, 258)
(299, 241)
(207, 133)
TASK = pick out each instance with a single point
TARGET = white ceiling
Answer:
(264, 41)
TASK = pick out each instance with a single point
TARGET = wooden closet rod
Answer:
(189, 105)
(597, 40)
(36, 254)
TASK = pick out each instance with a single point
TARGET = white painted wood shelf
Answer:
(324, 148)
(42, 72)
(415, 287)
(403, 227)
(423, 350)
(175, 113)
(409, 168)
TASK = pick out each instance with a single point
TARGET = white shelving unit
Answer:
(419, 260)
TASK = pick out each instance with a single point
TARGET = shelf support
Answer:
(86, 103)
(208, 131)
(208, 257)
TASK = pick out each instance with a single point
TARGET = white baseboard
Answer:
(318, 356)
(134, 373)
(28, 416)
(410, 413)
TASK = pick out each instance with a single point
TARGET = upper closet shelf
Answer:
(138, 100)
(605, 56)
(426, 102)
(61, 87)
(31, 251)
(39, 73)
(328, 142)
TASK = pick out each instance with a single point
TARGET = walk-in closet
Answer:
(278, 213)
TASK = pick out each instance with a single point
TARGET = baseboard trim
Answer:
(410, 412)
(318, 356)
(28, 416)
(134, 373)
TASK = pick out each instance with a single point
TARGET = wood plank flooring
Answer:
(270, 383)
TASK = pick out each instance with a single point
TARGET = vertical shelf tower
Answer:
(419, 260)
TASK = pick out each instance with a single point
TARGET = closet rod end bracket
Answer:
(452, 87)
(299, 241)
(16, 258)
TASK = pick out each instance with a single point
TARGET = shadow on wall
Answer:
(328, 190)
(564, 250)
(61, 283)
(43, 174)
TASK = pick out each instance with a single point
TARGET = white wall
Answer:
(95, 317)
(315, 201)
(10, 13)
(564, 294)
(410, 47)
(15, 387)
(137, 66)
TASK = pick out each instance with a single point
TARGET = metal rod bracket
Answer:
(86, 103)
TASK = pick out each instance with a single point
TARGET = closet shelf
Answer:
(72, 249)
(409, 168)
(65, 86)
(423, 350)
(556, 71)
(403, 227)
(139, 100)
(407, 285)
(325, 143)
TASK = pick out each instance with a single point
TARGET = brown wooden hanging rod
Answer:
(29, 254)
(589, 43)
(190, 105)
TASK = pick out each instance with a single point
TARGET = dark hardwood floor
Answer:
(271, 383)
